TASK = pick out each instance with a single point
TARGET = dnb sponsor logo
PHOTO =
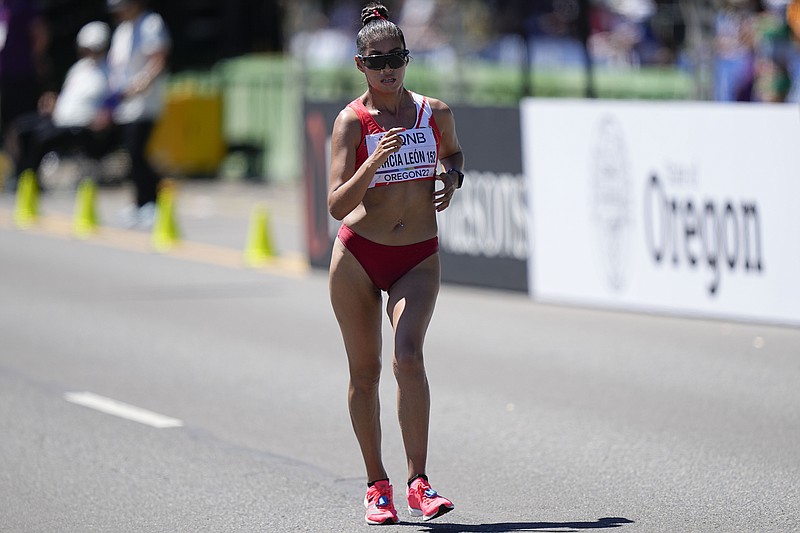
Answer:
(686, 231)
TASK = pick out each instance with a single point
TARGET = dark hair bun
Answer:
(373, 11)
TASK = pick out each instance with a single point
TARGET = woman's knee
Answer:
(409, 363)
(366, 376)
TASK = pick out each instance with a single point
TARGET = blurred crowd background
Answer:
(729, 49)
(743, 50)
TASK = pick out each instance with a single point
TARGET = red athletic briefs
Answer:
(386, 264)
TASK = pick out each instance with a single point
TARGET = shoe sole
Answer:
(443, 509)
(388, 521)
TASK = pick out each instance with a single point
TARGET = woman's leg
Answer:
(410, 308)
(357, 306)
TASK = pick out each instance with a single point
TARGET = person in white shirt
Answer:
(76, 117)
(85, 88)
(137, 61)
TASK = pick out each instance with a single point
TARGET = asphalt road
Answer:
(544, 418)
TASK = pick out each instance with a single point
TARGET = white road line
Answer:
(122, 410)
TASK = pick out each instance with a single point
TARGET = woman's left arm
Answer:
(450, 155)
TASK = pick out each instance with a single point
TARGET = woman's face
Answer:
(387, 78)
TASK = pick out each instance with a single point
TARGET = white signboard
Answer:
(690, 208)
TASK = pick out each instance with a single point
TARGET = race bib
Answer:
(416, 159)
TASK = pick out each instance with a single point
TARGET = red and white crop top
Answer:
(417, 158)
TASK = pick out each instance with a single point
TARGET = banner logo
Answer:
(487, 218)
(684, 230)
(611, 202)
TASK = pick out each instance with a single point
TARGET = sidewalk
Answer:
(213, 212)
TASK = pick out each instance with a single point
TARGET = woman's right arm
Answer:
(348, 184)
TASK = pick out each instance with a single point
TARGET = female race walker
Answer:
(387, 146)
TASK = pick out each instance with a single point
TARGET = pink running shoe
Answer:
(379, 504)
(426, 502)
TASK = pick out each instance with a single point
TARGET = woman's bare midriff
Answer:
(396, 214)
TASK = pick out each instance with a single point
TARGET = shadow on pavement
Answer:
(555, 527)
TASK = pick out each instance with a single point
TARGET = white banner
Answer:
(688, 208)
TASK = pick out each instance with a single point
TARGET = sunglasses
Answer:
(379, 62)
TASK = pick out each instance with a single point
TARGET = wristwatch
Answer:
(460, 177)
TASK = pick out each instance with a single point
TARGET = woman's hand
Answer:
(442, 197)
(389, 144)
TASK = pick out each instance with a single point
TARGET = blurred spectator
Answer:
(756, 53)
(24, 69)
(137, 62)
(544, 34)
(633, 34)
(323, 38)
(616, 37)
(76, 117)
(554, 34)
(510, 25)
(422, 21)
(735, 52)
(774, 81)
(773, 50)
(793, 18)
